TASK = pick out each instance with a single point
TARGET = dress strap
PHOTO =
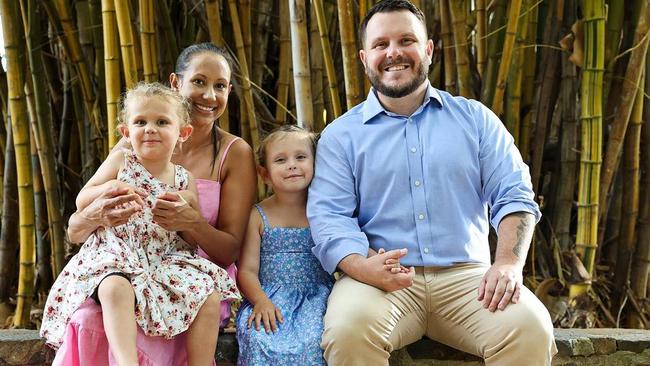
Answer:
(223, 157)
(264, 220)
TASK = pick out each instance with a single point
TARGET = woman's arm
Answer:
(113, 207)
(239, 183)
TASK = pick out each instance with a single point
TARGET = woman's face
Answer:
(206, 84)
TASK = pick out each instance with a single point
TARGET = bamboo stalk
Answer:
(481, 39)
(327, 58)
(628, 252)
(213, 12)
(246, 86)
(547, 92)
(316, 59)
(495, 40)
(528, 84)
(44, 276)
(245, 19)
(615, 16)
(348, 48)
(284, 63)
(457, 11)
(261, 42)
(300, 57)
(147, 39)
(112, 68)
(169, 37)
(9, 235)
(123, 17)
(625, 104)
(42, 128)
(506, 55)
(564, 197)
(515, 78)
(59, 13)
(15, 58)
(448, 49)
(591, 125)
(641, 265)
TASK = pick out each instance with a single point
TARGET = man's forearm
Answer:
(515, 233)
(352, 266)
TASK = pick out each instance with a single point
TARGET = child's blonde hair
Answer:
(155, 89)
(280, 132)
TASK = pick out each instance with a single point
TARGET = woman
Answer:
(224, 168)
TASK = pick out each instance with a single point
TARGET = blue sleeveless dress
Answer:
(294, 280)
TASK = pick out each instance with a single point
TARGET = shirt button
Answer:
(413, 149)
(426, 250)
(417, 184)
(421, 216)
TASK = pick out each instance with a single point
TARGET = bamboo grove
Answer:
(566, 78)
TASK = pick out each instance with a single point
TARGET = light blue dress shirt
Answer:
(431, 182)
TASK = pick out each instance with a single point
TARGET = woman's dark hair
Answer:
(183, 61)
(388, 6)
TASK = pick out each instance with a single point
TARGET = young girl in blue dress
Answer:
(286, 289)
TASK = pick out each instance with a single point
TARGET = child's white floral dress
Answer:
(169, 279)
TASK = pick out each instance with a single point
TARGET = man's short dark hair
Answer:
(387, 6)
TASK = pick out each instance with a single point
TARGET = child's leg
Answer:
(202, 334)
(117, 300)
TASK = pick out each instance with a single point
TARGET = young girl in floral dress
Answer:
(141, 274)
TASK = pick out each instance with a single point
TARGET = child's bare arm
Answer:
(104, 178)
(264, 311)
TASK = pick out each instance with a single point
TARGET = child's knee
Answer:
(115, 290)
(212, 306)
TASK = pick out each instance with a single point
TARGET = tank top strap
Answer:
(223, 157)
(264, 220)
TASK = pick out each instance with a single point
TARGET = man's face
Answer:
(396, 53)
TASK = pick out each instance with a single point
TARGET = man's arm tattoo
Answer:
(522, 234)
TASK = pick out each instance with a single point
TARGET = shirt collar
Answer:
(373, 107)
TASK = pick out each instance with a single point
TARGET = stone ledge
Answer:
(576, 347)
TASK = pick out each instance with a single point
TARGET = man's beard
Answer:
(402, 90)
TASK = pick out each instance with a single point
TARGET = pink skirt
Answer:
(85, 342)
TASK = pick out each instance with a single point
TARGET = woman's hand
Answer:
(267, 313)
(115, 205)
(176, 211)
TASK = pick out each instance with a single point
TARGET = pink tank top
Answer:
(209, 192)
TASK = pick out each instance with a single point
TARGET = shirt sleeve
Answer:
(505, 178)
(332, 206)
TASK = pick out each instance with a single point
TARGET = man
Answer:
(422, 174)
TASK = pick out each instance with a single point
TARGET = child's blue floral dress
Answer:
(294, 280)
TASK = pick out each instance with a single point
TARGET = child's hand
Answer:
(393, 265)
(267, 313)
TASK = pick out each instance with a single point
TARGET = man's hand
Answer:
(372, 272)
(500, 286)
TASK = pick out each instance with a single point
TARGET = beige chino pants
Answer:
(364, 324)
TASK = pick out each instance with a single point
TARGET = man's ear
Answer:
(362, 57)
(174, 81)
(429, 49)
(185, 133)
